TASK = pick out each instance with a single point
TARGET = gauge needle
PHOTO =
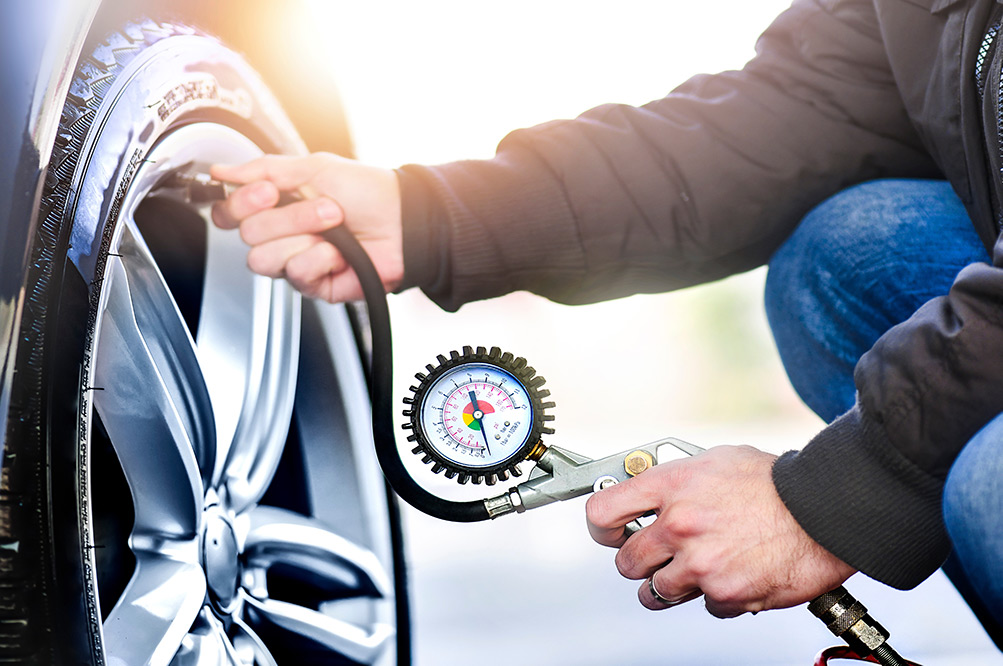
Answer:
(479, 417)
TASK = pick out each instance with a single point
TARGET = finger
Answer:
(667, 587)
(243, 203)
(645, 552)
(287, 172)
(311, 216)
(651, 602)
(313, 265)
(609, 510)
(270, 259)
(339, 287)
(725, 610)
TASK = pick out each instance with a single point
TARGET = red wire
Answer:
(844, 652)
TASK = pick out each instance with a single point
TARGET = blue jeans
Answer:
(858, 264)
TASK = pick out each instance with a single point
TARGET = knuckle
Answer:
(718, 610)
(332, 254)
(320, 159)
(249, 232)
(306, 288)
(262, 195)
(260, 263)
(683, 521)
(269, 164)
(295, 274)
(301, 268)
(727, 593)
(702, 568)
(327, 256)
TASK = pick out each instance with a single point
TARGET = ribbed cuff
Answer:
(865, 502)
(483, 228)
(424, 232)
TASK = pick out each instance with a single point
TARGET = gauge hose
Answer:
(381, 390)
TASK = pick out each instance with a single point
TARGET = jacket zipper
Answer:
(989, 84)
(982, 59)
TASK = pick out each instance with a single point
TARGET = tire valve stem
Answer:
(198, 188)
(848, 619)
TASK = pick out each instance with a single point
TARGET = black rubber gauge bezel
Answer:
(505, 361)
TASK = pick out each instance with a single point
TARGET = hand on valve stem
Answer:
(285, 240)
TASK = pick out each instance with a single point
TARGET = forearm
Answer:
(693, 187)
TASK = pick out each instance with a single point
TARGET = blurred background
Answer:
(439, 80)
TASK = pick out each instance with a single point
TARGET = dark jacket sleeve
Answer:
(869, 486)
(703, 183)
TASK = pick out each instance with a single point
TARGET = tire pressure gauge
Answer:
(475, 416)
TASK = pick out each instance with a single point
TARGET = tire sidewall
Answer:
(171, 81)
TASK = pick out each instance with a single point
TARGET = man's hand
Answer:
(721, 531)
(285, 241)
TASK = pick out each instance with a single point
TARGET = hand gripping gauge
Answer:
(477, 414)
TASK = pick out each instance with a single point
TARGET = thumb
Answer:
(287, 172)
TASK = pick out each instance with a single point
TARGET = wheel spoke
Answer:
(358, 644)
(269, 393)
(203, 646)
(304, 548)
(150, 395)
(208, 643)
(340, 572)
(230, 342)
(246, 642)
(149, 623)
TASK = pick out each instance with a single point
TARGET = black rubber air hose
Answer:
(200, 187)
(381, 390)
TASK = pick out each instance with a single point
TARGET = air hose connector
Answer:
(848, 619)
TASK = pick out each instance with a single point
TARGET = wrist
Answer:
(421, 220)
(393, 276)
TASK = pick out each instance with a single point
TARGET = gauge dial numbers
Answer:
(475, 416)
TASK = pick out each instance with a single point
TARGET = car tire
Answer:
(188, 475)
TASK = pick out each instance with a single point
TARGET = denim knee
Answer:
(859, 263)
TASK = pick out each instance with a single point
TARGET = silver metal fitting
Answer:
(505, 504)
(604, 482)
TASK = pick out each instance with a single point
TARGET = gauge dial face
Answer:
(476, 415)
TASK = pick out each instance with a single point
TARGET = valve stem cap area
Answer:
(198, 188)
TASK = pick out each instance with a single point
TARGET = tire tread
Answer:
(28, 631)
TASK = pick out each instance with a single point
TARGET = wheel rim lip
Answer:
(215, 499)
